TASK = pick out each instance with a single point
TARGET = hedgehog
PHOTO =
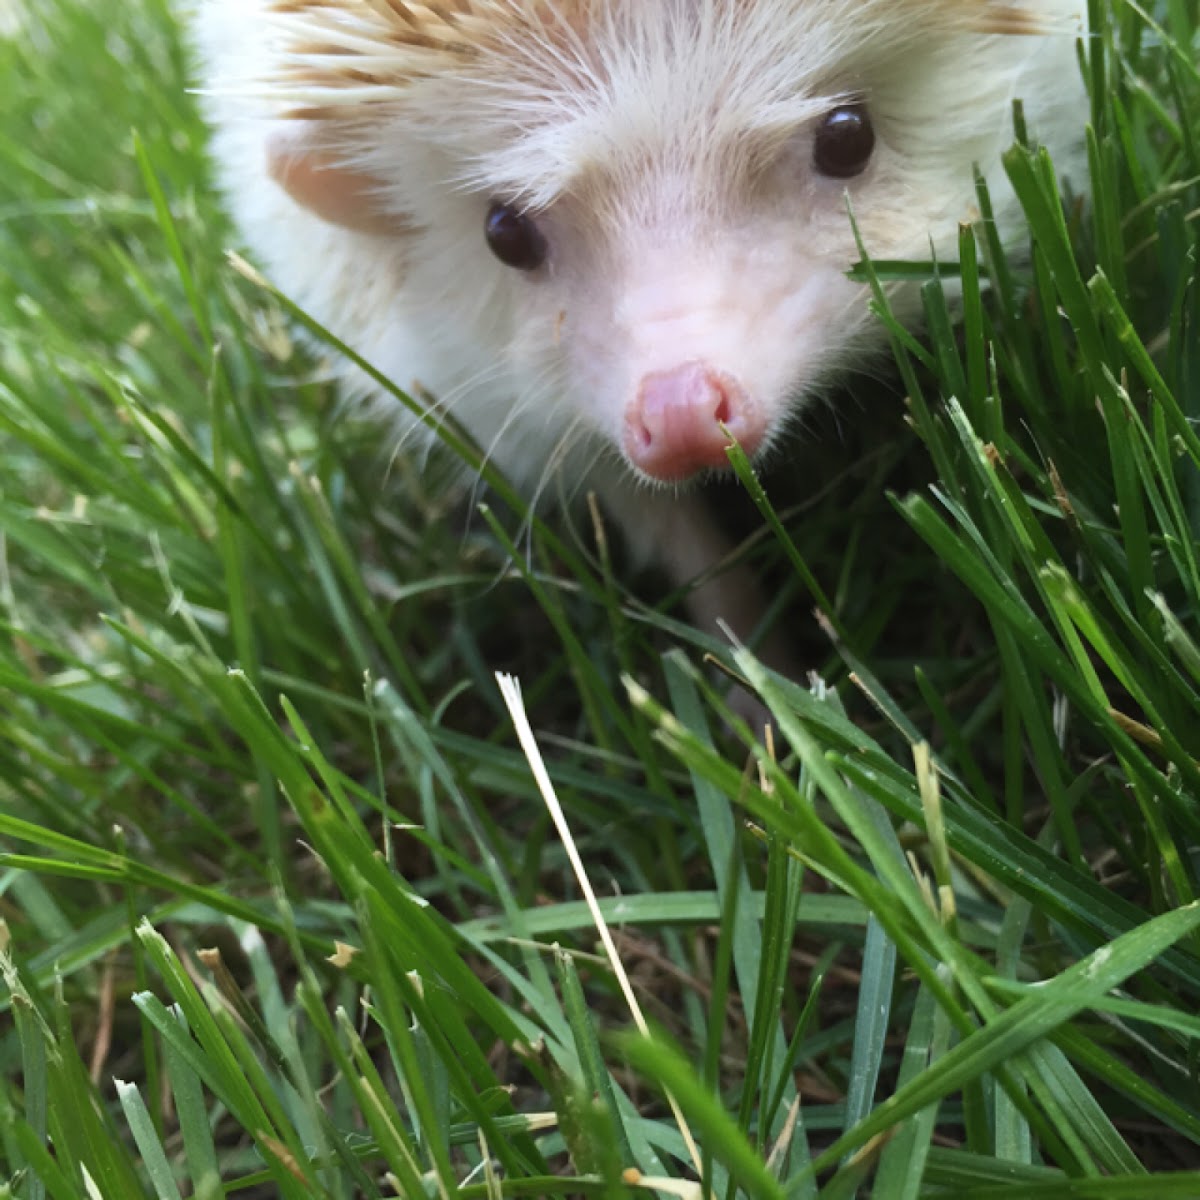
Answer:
(612, 236)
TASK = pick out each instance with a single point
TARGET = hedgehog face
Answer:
(689, 286)
(673, 186)
(680, 309)
(629, 218)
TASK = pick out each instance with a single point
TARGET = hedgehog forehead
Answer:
(461, 28)
(338, 54)
(537, 98)
(640, 91)
(646, 100)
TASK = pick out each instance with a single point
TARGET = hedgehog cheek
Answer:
(330, 189)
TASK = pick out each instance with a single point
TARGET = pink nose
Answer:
(673, 425)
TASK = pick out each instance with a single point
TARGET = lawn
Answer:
(299, 898)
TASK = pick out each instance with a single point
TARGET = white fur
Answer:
(666, 146)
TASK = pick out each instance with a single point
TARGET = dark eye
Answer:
(514, 237)
(845, 141)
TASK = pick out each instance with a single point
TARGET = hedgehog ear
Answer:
(319, 182)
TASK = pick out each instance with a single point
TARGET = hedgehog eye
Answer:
(514, 237)
(845, 141)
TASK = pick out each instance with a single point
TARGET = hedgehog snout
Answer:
(680, 422)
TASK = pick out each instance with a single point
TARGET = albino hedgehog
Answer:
(603, 232)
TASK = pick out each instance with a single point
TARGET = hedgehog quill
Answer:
(608, 234)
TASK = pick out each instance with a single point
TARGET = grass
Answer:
(284, 910)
